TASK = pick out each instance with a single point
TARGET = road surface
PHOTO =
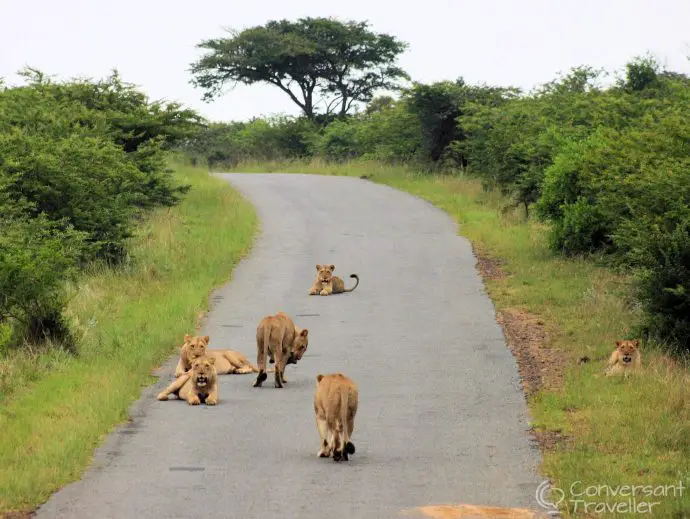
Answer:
(441, 417)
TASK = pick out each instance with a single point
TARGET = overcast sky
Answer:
(507, 42)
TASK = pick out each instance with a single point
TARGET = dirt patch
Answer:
(489, 268)
(540, 367)
(549, 440)
(18, 515)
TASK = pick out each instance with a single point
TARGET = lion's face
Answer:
(299, 346)
(202, 371)
(324, 273)
(627, 349)
(196, 346)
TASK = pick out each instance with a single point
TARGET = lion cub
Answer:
(326, 283)
(197, 385)
(625, 358)
(278, 336)
(227, 361)
(335, 405)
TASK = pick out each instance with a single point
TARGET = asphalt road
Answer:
(441, 416)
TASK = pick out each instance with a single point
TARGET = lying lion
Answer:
(227, 361)
(326, 283)
(278, 337)
(335, 404)
(199, 384)
(624, 359)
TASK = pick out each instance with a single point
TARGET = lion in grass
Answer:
(277, 336)
(199, 384)
(335, 405)
(227, 361)
(625, 359)
(326, 283)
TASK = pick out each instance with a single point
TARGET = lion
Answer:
(326, 283)
(335, 405)
(625, 358)
(277, 336)
(199, 384)
(227, 361)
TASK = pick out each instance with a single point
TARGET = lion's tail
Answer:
(344, 412)
(356, 283)
(344, 394)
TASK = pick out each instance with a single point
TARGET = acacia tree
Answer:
(313, 60)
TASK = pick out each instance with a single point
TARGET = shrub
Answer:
(84, 182)
(79, 162)
(36, 257)
(664, 285)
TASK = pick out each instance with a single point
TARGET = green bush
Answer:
(580, 230)
(36, 258)
(664, 285)
(639, 174)
(85, 182)
(80, 162)
(340, 142)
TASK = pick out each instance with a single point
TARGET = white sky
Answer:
(506, 42)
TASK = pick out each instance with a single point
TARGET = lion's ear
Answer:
(331, 267)
(318, 267)
(187, 337)
(211, 360)
(636, 342)
(304, 332)
(206, 338)
(319, 378)
(618, 343)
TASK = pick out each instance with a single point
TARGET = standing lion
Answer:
(278, 336)
(335, 405)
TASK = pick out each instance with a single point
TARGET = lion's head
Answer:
(299, 345)
(194, 347)
(324, 273)
(627, 349)
(203, 371)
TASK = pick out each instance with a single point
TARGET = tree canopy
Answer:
(315, 61)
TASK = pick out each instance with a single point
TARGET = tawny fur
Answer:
(326, 283)
(227, 361)
(199, 384)
(335, 405)
(277, 336)
(625, 359)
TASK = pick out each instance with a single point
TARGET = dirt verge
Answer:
(526, 334)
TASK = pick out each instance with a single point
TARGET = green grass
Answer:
(56, 408)
(620, 432)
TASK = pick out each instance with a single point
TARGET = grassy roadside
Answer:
(56, 408)
(594, 430)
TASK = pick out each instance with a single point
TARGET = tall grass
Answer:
(618, 432)
(57, 407)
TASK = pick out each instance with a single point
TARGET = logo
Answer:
(549, 497)
(599, 499)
